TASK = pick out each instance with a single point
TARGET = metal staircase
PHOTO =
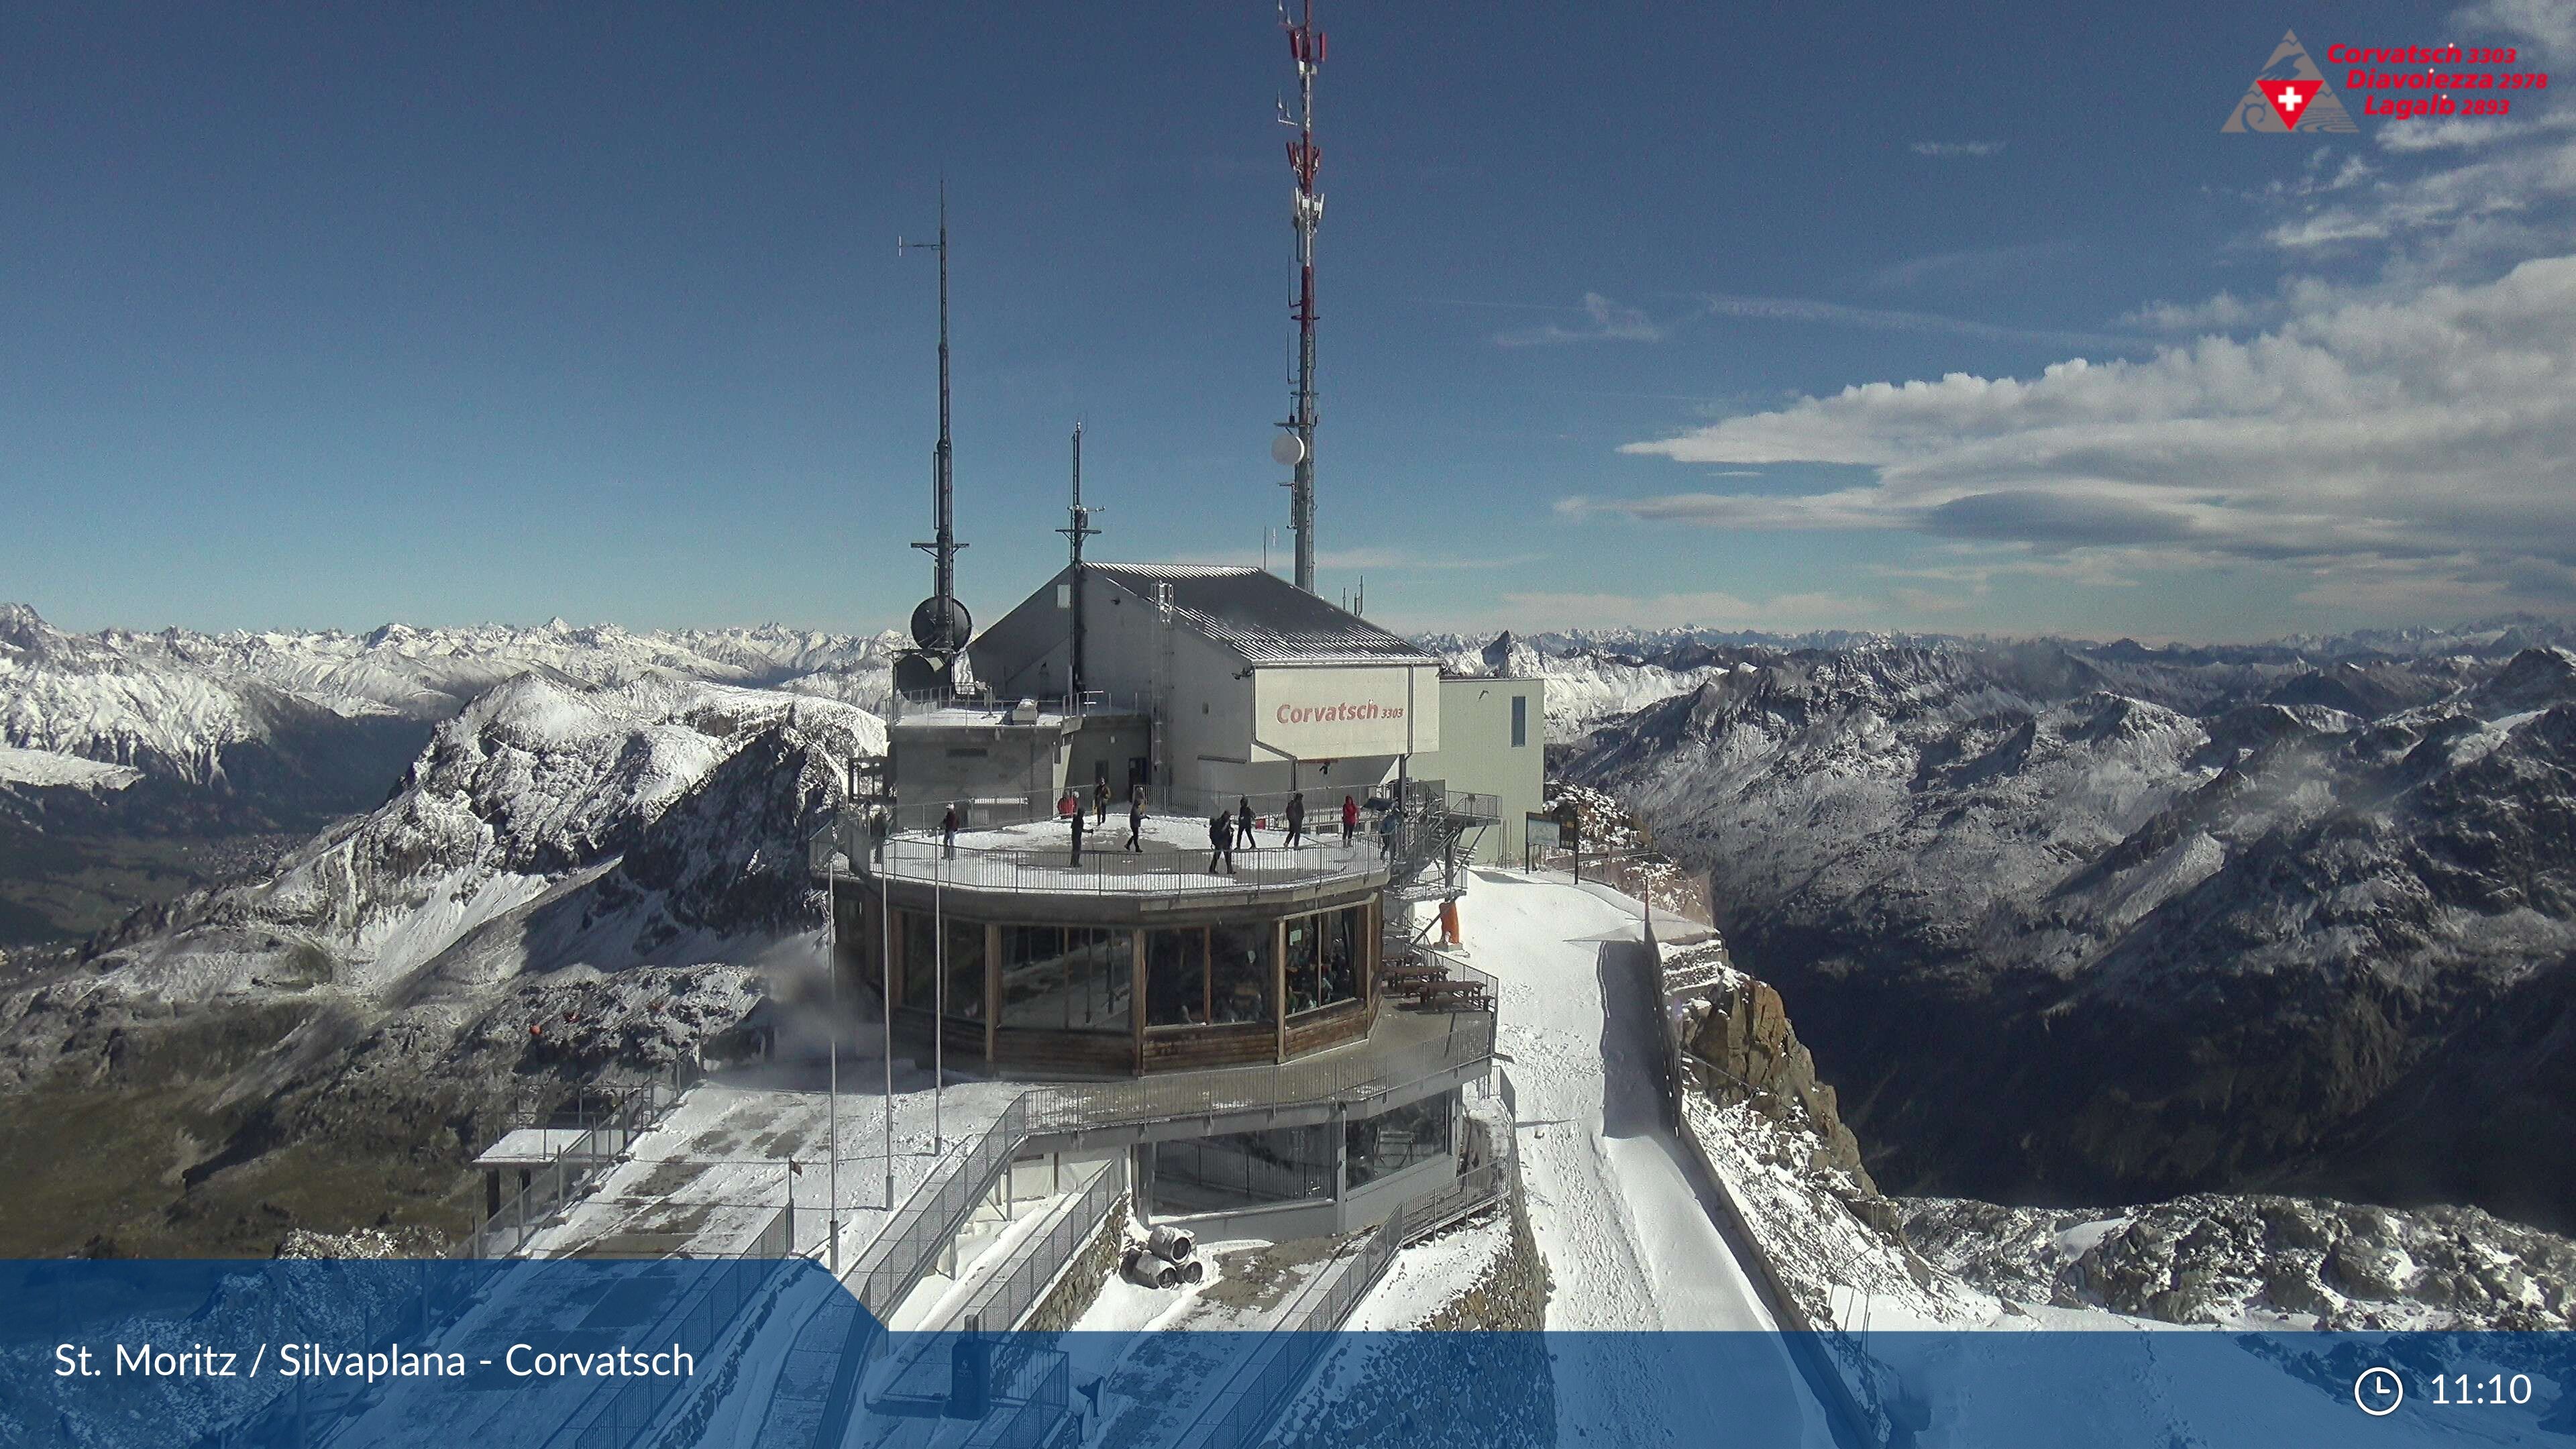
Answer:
(1436, 834)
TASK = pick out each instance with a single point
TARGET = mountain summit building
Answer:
(1020, 919)
(1256, 687)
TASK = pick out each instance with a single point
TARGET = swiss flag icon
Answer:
(2290, 99)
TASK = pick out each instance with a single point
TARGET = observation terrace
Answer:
(1032, 862)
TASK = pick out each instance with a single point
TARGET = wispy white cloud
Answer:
(1972, 266)
(1946, 150)
(1707, 608)
(1836, 314)
(1603, 321)
(2418, 440)
(2222, 313)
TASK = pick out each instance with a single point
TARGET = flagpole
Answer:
(939, 1004)
(832, 988)
(885, 999)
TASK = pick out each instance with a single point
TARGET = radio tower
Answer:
(1307, 44)
(940, 624)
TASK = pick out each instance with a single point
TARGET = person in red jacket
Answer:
(1350, 817)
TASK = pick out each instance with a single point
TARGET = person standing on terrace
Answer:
(1221, 837)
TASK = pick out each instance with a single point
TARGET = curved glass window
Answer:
(919, 937)
(1240, 969)
(1243, 1169)
(1396, 1139)
(1325, 958)
(1176, 988)
(1067, 978)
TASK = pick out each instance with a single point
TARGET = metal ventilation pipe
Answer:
(1146, 1270)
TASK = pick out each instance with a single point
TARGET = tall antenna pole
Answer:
(940, 626)
(1307, 44)
(1078, 530)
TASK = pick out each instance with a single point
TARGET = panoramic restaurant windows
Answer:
(1067, 978)
(1324, 955)
(1239, 972)
(1176, 977)
(1085, 980)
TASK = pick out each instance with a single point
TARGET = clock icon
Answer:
(2378, 1391)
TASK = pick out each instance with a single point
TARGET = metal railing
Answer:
(1007, 1299)
(928, 1219)
(621, 1411)
(1045, 864)
(1341, 1077)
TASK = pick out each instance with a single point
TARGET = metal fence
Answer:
(1670, 889)
(1036, 1383)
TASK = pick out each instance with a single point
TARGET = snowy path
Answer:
(1629, 1243)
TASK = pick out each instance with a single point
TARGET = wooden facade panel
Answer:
(1086, 1053)
(1188, 1048)
(1330, 1027)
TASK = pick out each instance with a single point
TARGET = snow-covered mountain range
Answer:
(136, 765)
(2101, 923)
(172, 702)
(570, 878)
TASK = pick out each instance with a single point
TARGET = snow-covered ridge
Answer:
(538, 787)
(44, 767)
(174, 702)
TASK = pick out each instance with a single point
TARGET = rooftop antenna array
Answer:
(940, 624)
(1079, 529)
(1295, 446)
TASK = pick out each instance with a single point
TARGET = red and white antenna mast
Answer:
(1306, 43)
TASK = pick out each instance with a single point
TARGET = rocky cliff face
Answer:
(2089, 923)
(2260, 1259)
(1758, 1104)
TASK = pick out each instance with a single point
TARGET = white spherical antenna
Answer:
(1287, 450)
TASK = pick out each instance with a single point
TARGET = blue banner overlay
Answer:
(577, 1354)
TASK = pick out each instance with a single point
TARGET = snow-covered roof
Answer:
(1252, 612)
(1263, 617)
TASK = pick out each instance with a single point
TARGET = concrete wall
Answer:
(935, 764)
(1477, 754)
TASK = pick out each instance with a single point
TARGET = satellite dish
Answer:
(1287, 450)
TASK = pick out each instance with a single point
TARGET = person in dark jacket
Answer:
(1075, 816)
(1243, 819)
(948, 832)
(1221, 838)
(1100, 800)
(1296, 818)
(1136, 820)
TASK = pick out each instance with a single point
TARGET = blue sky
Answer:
(330, 317)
